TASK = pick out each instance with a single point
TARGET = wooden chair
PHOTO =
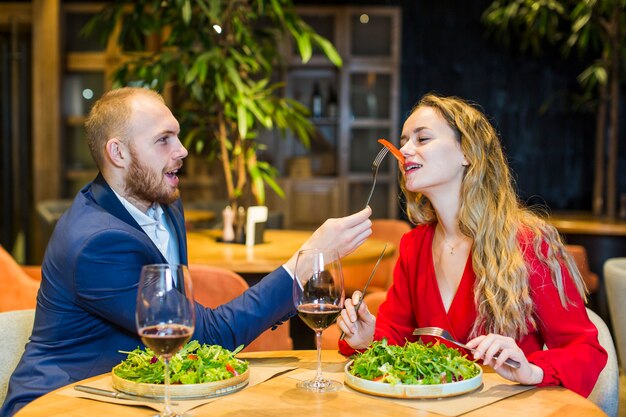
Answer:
(214, 286)
(579, 253)
(355, 276)
(19, 288)
(17, 327)
(330, 336)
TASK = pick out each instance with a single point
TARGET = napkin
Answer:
(494, 388)
(258, 375)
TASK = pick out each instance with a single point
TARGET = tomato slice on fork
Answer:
(395, 151)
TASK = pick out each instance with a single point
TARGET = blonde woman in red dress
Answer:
(478, 263)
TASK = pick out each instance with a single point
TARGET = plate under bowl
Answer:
(384, 389)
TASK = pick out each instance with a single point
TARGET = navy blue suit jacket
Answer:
(86, 303)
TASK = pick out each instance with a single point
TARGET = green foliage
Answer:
(220, 56)
(596, 29)
(571, 25)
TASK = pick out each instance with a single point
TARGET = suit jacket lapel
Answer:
(106, 198)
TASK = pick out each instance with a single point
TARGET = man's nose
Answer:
(182, 151)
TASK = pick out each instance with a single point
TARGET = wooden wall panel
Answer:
(46, 102)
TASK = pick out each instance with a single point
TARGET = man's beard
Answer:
(142, 183)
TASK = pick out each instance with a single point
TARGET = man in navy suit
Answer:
(129, 216)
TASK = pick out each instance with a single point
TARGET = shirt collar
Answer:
(143, 219)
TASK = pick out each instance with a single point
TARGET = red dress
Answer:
(573, 358)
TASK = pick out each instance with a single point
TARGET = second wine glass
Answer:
(318, 295)
(165, 314)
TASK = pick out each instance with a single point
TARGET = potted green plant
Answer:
(597, 30)
(220, 57)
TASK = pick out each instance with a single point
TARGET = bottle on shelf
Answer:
(331, 104)
(316, 102)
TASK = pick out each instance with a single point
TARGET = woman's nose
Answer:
(406, 149)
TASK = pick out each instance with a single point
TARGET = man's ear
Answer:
(116, 152)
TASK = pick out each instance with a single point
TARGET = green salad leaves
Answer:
(412, 364)
(193, 364)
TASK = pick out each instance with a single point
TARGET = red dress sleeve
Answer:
(396, 317)
(574, 358)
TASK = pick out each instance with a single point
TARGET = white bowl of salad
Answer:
(414, 370)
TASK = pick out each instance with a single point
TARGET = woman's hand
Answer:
(358, 328)
(492, 344)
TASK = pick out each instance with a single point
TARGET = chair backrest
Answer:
(605, 393)
(390, 230)
(19, 290)
(615, 282)
(355, 276)
(16, 327)
(214, 286)
(330, 336)
(579, 253)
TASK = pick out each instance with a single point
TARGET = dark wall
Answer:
(530, 101)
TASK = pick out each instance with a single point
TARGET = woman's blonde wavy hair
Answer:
(492, 216)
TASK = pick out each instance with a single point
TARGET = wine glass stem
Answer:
(318, 341)
(167, 411)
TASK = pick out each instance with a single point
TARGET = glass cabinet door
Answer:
(351, 107)
(371, 88)
(83, 82)
(370, 95)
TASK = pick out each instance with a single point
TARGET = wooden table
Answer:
(278, 247)
(193, 218)
(586, 224)
(280, 397)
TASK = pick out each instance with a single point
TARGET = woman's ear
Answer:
(465, 163)
(116, 152)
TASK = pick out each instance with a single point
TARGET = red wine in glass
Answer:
(318, 316)
(165, 339)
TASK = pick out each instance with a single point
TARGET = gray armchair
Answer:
(18, 324)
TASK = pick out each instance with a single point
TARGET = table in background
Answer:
(196, 218)
(279, 397)
(277, 247)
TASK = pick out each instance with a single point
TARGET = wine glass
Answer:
(318, 295)
(165, 314)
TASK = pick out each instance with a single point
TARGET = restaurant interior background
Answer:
(49, 77)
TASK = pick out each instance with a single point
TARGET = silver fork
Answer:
(444, 334)
(379, 158)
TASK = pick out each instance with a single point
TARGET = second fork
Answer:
(445, 335)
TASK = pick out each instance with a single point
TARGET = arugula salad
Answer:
(412, 364)
(193, 364)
